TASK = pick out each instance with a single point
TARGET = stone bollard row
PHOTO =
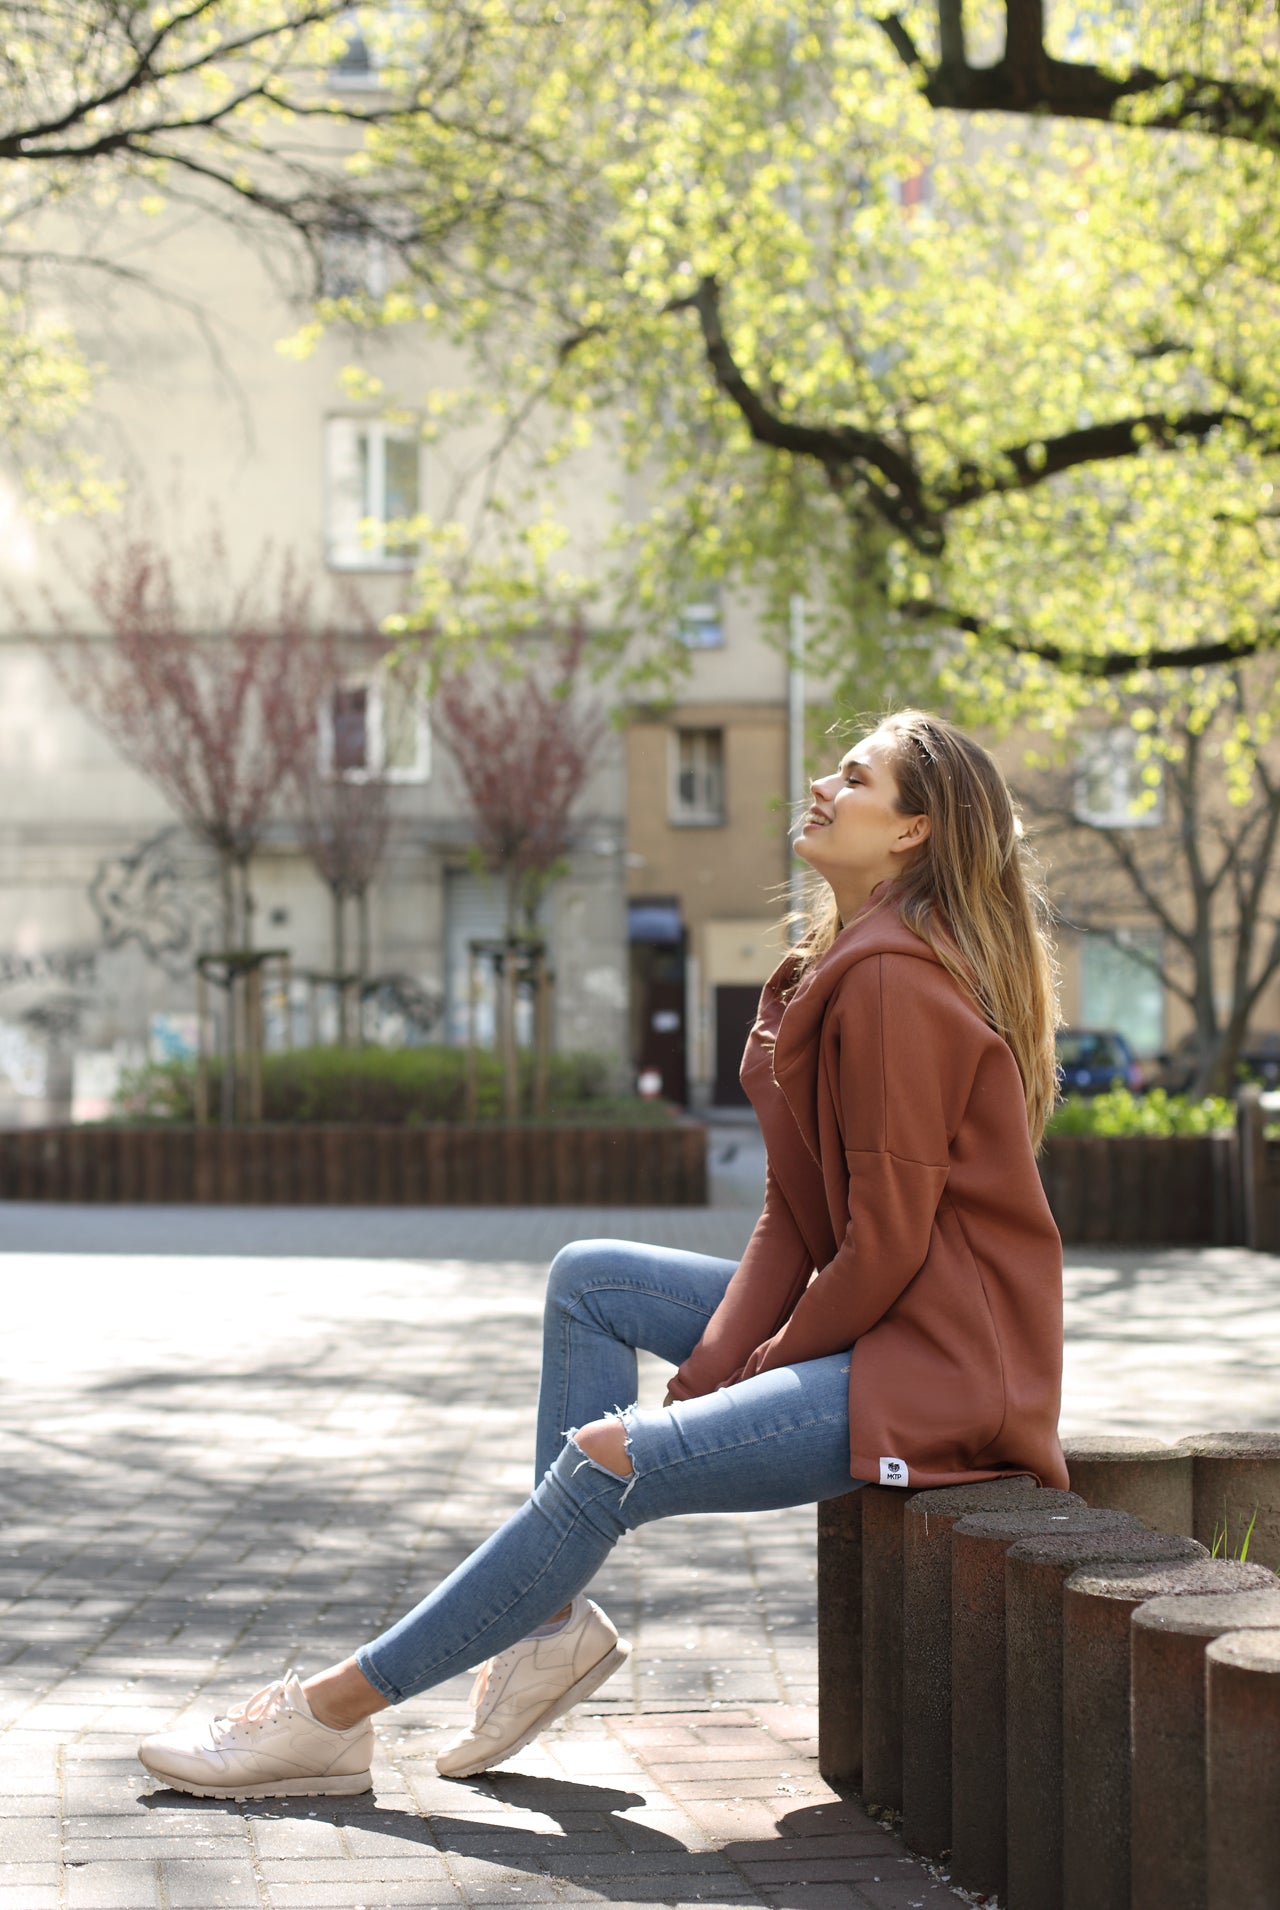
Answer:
(1142, 1476)
(929, 1521)
(1169, 1773)
(840, 1639)
(1220, 1488)
(1036, 1572)
(976, 1673)
(1097, 1609)
(1242, 1732)
(979, 1673)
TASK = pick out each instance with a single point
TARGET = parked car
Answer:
(1092, 1060)
(1259, 1061)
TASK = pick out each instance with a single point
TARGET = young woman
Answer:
(896, 1318)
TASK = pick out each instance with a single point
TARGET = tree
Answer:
(198, 688)
(344, 821)
(523, 745)
(1184, 832)
(938, 372)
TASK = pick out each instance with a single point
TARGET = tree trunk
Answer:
(227, 897)
(510, 1052)
(362, 957)
(246, 906)
(340, 962)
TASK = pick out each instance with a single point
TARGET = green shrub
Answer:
(386, 1086)
(1121, 1112)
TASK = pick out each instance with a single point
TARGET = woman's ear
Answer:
(914, 836)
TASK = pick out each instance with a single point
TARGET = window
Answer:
(1114, 789)
(1120, 989)
(376, 726)
(701, 624)
(698, 779)
(372, 482)
(355, 67)
(353, 263)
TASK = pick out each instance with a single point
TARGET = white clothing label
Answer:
(893, 1472)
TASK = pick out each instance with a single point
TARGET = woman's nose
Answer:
(821, 785)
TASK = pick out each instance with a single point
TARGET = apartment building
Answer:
(107, 897)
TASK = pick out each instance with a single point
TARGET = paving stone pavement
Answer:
(237, 1440)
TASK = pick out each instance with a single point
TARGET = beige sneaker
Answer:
(525, 1688)
(270, 1746)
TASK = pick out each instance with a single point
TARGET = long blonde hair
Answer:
(972, 893)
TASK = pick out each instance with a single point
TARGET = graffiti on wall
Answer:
(144, 896)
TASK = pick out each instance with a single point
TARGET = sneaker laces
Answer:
(262, 1705)
(479, 1697)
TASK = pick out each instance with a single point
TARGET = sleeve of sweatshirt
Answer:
(895, 1039)
(772, 1273)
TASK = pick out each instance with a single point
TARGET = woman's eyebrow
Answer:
(857, 762)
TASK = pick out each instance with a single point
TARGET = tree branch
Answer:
(1026, 80)
(841, 450)
(1027, 465)
(1104, 665)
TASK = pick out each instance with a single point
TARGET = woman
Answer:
(902, 1069)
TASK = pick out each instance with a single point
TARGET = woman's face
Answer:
(854, 835)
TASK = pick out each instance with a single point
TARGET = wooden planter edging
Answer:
(1143, 1189)
(437, 1166)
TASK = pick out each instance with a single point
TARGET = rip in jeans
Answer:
(620, 1413)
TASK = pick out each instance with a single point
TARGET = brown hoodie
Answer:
(899, 1166)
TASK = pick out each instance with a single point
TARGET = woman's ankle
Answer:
(342, 1696)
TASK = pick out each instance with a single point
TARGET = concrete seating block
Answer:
(1242, 1705)
(1036, 1571)
(1098, 1602)
(979, 1773)
(883, 1511)
(1167, 1667)
(926, 1653)
(1145, 1477)
(1235, 1475)
(840, 1639)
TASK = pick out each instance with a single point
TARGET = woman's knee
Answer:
(576, 1268)
(605, 1442)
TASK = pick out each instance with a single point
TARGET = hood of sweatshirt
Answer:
(878, 930)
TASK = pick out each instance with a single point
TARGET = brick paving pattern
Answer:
(231, 1442)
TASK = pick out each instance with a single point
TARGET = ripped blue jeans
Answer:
(779, 1439)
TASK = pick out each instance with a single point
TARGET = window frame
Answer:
(375, 768)
(700, 616)
(694, 816)
(345, 546)
(1114, 753)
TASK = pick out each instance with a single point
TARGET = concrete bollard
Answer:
(1242, 1703)
(1035, 1572)
(840, 1639)
(1098, 1603)
(883, 1510)
(926, 1645)
(1141, 1476)
(978, 1757)
(1168, 1640)
(1235, 1475)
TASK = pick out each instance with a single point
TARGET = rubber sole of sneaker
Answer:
(602, 1669)
(282, 1787)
